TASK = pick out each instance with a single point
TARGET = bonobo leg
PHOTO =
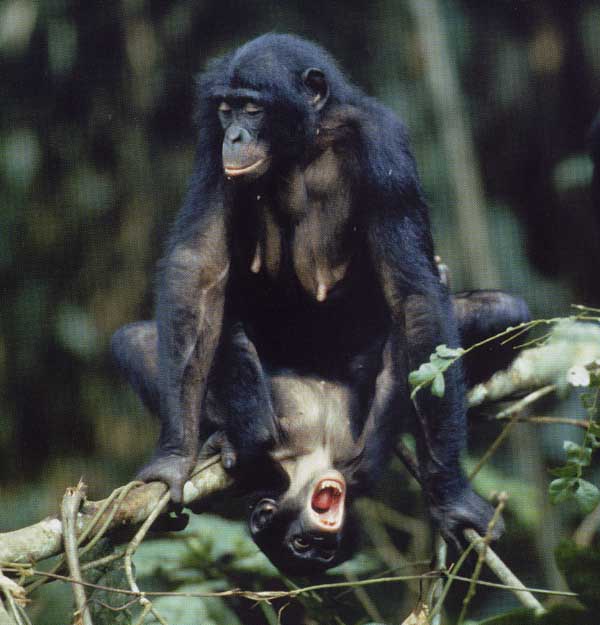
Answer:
(480, 315)
(239, 417)
(134, 348)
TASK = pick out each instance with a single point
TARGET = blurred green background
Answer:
(96, 144)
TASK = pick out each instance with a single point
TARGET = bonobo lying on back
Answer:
(305, 222)
(301, 496)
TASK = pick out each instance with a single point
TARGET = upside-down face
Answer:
(307, 531)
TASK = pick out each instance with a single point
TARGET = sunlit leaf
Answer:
(587, 496)
(576, 454)
(439, 386)
(562, 489)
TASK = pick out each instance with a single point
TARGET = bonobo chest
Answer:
(306, 227)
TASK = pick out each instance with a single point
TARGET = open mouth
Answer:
(327, 503)
(232, 172)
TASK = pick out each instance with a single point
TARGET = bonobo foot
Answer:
(172, 469)
(468, 510)
(218, 444)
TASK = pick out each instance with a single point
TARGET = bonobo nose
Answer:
(236, 134)
(326, 541)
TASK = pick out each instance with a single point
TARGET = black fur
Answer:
(240, 384)
(326, 260)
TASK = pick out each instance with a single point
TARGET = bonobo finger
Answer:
(228, 455)
(212, 445)
(219, 443)
(171, 469)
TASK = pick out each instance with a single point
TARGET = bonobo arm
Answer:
(191, 297)
(421, 318)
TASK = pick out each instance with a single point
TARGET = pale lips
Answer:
(327, 503)
(242, 171)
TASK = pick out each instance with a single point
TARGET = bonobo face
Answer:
(245, 151)
(304, 532)
(253, 135)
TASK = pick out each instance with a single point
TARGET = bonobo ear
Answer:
(315, 81)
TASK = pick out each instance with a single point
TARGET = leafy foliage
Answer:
(432, 372)
(569, 483)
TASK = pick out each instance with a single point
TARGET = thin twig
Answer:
(409, 460)
(5, 618)
(580, 423)
(363, 598)
(518, 588)
(70, 507)
(491, 450)
(15, 597)
(512, 413)
(520, 405)
(441, 553)
(502, 572)
(451, 577)
(131, 549)
(481, 557)
(137, 539)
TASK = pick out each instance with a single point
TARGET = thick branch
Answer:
(45, 539)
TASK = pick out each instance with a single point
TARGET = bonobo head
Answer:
(308, 528)
(304, 523)
(264, 102)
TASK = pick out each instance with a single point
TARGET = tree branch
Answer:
(45, 539)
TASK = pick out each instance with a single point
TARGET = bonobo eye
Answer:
(252, 108)
(262, 514)
(224, 108)
(300, 543)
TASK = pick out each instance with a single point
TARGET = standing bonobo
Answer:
(305, 222)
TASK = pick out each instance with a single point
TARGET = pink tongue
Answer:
(323, 500)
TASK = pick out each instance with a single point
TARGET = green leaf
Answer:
(562, 489)
(439, 386)
(587, 496)
(580, 566)
(568, 470)
(576, 454)
(590, 402)
(425, 373)
(594, 428)
(592, 440)
(443, 351)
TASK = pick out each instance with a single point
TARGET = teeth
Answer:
(331, 484)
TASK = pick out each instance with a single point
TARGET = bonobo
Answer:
(301, 497)
(304, 221)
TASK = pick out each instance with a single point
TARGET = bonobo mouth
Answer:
(257, 168)
(327, 502)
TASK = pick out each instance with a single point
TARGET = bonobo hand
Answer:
(218, 443)
(172, 469)
(468, 510)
